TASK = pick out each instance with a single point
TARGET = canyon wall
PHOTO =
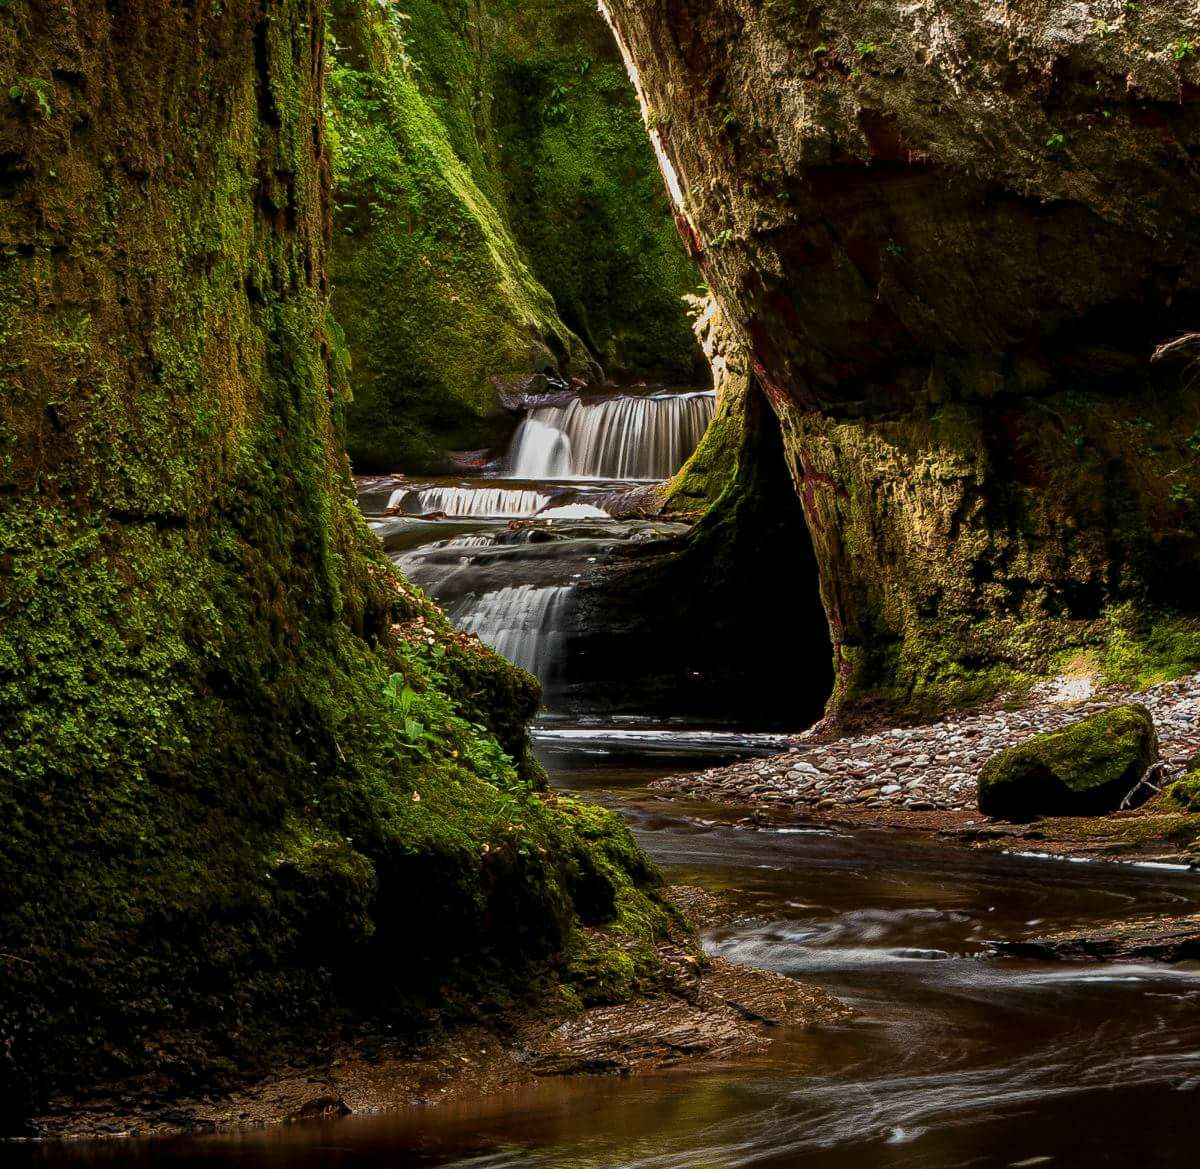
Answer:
(961, 242)
(499, 215)
(256, 794)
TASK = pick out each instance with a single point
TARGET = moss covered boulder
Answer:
(1085, 770)
(1185, 792)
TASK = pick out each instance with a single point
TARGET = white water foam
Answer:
(478, 502)
(522, 623)
(618, 438)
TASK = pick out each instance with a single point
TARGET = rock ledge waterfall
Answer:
(627, 437)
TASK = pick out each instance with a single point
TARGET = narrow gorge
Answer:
(599, 584)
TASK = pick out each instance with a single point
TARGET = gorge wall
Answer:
(243, 765)
(499, 215)
(961, 242)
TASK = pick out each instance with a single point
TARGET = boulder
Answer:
(1186, 791)
(1084, 770)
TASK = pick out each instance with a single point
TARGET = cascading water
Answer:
(513, 584)
(521, 622)
(480, 502)
(616, 438)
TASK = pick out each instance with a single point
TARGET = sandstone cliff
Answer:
(962, 244)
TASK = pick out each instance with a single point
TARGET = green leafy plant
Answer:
(556, 111)
(1056, 141)
(405, 703)
(1184, 49)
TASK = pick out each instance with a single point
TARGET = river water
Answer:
(953, 1058)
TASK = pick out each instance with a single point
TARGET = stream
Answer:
(953, 1057)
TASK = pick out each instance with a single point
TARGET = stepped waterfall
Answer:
(625, 438)
(511, 583)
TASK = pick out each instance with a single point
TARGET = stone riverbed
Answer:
(936, 766)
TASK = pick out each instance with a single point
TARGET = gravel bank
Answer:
(934, 767)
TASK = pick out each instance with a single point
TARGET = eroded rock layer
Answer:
(962, 243)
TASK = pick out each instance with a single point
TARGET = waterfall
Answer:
(493, 502)
(617, 438)
(522, 622)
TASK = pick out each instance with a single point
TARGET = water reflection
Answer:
(954, 1059)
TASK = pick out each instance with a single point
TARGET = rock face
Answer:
(242, 764)
(499, 216)
(962, 244)
(1085, 770)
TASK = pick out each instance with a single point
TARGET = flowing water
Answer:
(626, 437)
(522, 622)
(954, 1058)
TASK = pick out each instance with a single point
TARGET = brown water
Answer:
(954, 1058)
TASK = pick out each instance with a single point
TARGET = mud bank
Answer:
(709, 1010)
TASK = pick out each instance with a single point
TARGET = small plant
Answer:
(556, 112)
(1184, 49)
(893, 249)
(404, 702)
(866, 49)
(722, 239)
(1056, 141)
(1179, 493)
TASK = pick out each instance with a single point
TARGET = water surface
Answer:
(954, 1058)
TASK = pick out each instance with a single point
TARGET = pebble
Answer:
(936, 766)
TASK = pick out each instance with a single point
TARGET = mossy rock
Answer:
(498, 215)
(1186, 791)
(1085, 770)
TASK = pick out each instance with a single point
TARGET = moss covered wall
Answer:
(955, 238)
(499, 215)
(251, 784)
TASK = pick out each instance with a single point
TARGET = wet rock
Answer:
(949, 781)
(1085, 770)
(1158, 939)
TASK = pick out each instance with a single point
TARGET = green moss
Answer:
(479, 237)
(220, 835)
(1085, 769)
(610, 878)
(585, 195)
(1185, 792)
(1147, 647)
(434, 294)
